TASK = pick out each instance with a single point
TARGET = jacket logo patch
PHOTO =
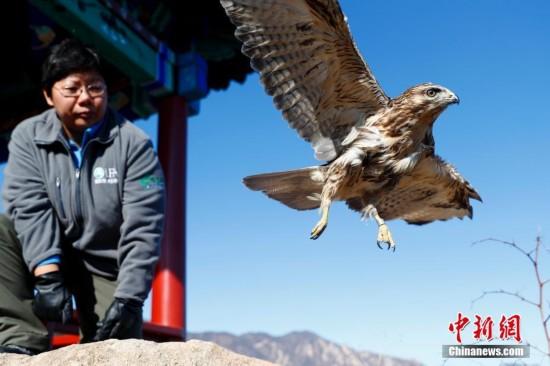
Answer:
(152, 181)
(105, 176)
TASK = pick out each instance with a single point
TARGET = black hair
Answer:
(68, 57)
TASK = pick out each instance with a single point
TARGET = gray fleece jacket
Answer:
(110, 209)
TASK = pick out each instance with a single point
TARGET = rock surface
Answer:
(134, 352)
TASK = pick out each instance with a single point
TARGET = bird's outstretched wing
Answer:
(308, 62)
(434, 190)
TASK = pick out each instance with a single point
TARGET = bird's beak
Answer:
(454, 99)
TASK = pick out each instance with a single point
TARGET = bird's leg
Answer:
(327, 195)
(322, 224)
(384, 235)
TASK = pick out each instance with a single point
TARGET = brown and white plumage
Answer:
(308, 62)
(380, 152)
(434, 190)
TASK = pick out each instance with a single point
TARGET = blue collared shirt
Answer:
(76, 153)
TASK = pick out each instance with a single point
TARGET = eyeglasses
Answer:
(93, 90)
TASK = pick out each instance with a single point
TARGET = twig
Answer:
(529, 254)
(534, 257)
(485, 293)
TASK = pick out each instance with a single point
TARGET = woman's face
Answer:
(80, 101)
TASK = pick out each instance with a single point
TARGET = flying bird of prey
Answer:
(379, 152)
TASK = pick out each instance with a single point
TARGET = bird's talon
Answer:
(317, 230)
(384, 237)
(384, 242)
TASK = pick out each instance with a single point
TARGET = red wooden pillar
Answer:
(168, 300)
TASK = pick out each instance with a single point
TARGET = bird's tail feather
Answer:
(299, 189)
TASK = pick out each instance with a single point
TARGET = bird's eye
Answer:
(432, 92)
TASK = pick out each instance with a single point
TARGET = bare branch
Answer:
(529, 254)
(534, 257)
(504, 292)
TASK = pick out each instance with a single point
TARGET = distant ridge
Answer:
(299, 349)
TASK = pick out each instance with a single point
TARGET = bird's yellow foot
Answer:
(318, 229)
(384, 237)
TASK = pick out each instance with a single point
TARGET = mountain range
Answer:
(299, 349)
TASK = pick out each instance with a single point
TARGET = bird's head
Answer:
(429, 97)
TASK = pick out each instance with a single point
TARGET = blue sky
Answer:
(251, 265)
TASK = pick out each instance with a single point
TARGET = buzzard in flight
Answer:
(379, 152)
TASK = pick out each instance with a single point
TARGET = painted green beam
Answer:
(93, 23)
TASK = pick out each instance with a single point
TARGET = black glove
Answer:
(52, 301)
(122, 320)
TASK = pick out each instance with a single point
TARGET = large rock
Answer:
(134, 352)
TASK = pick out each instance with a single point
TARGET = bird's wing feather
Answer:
(309, 63)
(434, 190)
